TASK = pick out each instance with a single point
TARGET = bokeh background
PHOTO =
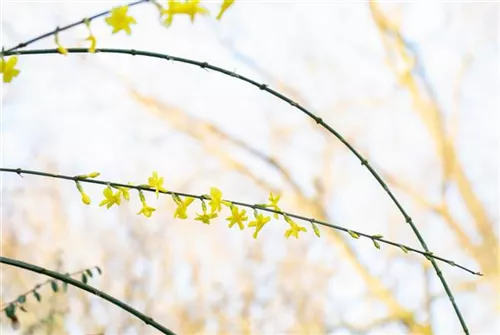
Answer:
(411, 85)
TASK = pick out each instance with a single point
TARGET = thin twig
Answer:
(318, 120)
(242, 204)
(38, 286)
(59, 276)
(59, 29)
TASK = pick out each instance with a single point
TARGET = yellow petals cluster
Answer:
(110, 198)
(182, 205)
(205, 217)
(258, 223)
(146, 210)
(211, 205)
(294, 228)
(237, 217)
(156, 183)
(8, 70)
(175, 7)
(119, 20)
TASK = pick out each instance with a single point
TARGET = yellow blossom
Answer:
(62, 50)
(119, 20)
(182, 206)
(93, 43)
(7, 69)
(215, 199)
(273, 203)
(146, 210)
(189, 7)
(156, 183)
(85, 197)
(294, 228)
(123, 191)
(260, 221)
(225, 5)
(110, 198)
(237, 217)
(205, 217)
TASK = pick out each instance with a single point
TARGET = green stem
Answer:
(30, 267)
(59, 29)
(37, 287)
(242, 204)
(318, 120)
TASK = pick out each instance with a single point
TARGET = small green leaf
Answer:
(99, 270)
(315, 229)
(353, 234)
(37, 296)
(84, 278)
(53, 285)
(378, 236)
(21, 299)
(10, 311)
(89, 273)
(260, 205)
(376, 244)
(403, 248)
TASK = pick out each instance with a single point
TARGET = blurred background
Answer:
(411, 85)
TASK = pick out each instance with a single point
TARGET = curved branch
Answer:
(30, 267)
(318, 120)
(38, 286)
(59, 29)
(374, 238)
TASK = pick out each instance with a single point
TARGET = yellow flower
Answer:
(294, 228)
(215, 199)
(156, 183)
(110, 198)
(7, 69)
(146, 210)
(62, 50)
(205, 217)
(85, 197)
(237, 217)
(189, 7)
(182, 206)
(123, 191)
(273, 203)
(260, 221)
(93, 43)
(225, 5)
(90, 175)
(119, 20)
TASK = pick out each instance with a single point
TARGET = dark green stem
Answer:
(30, 267)
(242, 204)
(318, 120)
(59, 29)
